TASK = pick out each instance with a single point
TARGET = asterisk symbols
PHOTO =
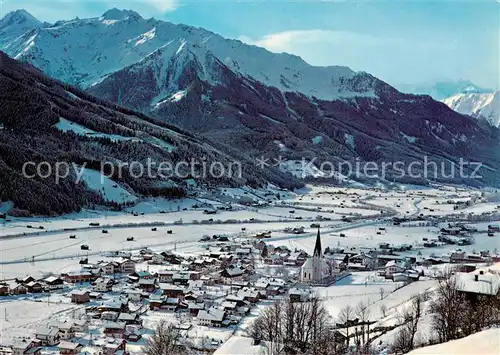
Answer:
(264, 162)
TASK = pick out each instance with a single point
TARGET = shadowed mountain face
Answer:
(257, 102)
(44, 120)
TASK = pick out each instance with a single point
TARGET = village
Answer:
(337, 245)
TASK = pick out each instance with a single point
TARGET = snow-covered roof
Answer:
(241, 345)
(216, 315)
(486, 284)
(68, 345)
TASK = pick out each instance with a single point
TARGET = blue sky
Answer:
(401, 42)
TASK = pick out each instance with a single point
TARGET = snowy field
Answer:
(21, 318)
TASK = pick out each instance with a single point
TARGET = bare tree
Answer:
(164, 341)
(363, 335)
(345, 317)
(405, 338)
(298, 327)
(448, 308)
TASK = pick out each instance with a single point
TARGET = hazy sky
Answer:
(401, 42)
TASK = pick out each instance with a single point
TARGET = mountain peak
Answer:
(19, 17)
(120, 15)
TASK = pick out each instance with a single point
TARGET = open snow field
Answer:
(52, 250)
(21, 318)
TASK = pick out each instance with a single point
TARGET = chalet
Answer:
(25, 280)
(109, 316)
(171, 304)
(79, 277)
(190, 296)
(114, 329)
(494, 228)
(233, 273)
(4, 289)
(382, 259)
(300, 293)
(108, 268)
(141, 275)
(157, 259)
(165, 276)
(239, 300)
(147, 285)
(170, 290)
(69, 348)
(195, 285)
(296, 258)
(34, 287)
(47, 336)
(27, 347)
(95, 295)
(114, 306)
(171, 258)
(194, 308)
(181, 278)
(66, 329)
(250, 295)
(393, 267)
(229, 306)
(130, 318)
(211, 317)
(273, 290)
(457, 257)
(54, 282)
(156, 302)
(132, 336)
(80, 296)
(126, 266)
(103, 285)
(18, 289)
(365, 261)
(478, 283)
(113, 347)
(80, 325)
(134, 295)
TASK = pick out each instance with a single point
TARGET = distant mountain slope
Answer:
(479, 105)
(15, 24)
(443, 89)
(43, 120)
(254, 101)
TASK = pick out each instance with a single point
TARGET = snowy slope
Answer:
(486, 105)
(108, 188)
(96, 47)
(485, 342)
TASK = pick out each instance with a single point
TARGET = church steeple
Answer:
(317, 248)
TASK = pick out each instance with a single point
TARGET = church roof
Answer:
(317, 248)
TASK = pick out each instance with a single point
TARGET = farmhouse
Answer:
(80, 296)
(48, 336)
(69, 348)
(212, 317)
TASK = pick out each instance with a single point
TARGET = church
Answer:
(316, 269)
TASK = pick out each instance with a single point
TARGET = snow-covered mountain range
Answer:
(479, 105)
(83, 52)
(246, 98)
